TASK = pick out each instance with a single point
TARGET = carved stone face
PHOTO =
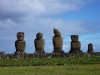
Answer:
(20, 36)
(39, 35)
(74, 37)
(56, 32)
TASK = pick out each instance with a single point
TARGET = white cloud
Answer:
(46, 25)
(61, 6)
(7, 24)
(21, 7)
(68, 26)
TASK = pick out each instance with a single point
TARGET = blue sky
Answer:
(80, 17)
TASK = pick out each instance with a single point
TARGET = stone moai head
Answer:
(20, 36)
(56, 32)
(39, 35)
(90, 46)
(74, 37)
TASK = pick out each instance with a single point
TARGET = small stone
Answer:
(39, 67)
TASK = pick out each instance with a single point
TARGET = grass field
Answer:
(90, 69)
(49, 61)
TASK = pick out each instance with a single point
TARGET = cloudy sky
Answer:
(80, 17)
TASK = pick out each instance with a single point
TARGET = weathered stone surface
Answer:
(39, 43)
(90, 48)
(20, 44)
(56, 32)
(57, 41)
(20, 36)
(2, 53)
(75, 44)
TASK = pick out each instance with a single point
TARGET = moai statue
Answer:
(39, 43)
(90, 48)
(20, 44)
(57, 42)
(75, 45)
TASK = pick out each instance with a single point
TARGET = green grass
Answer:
(91, 69)
(49, 61)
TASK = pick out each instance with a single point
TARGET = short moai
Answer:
(75, 45)
(39, 43)
(90, 48)
(20, 44)
(57, 42)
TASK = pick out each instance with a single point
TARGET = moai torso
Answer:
(39, 42)
(20, 44)
(57, 41)
(75, 44)
(90, 48)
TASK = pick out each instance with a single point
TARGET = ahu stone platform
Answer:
(48, 55)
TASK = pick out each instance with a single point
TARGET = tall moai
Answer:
(90, 48)
(75, 45)
(20, 44)
(39, 43)
(57, 41)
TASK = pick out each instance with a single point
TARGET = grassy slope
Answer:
(91, 69)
